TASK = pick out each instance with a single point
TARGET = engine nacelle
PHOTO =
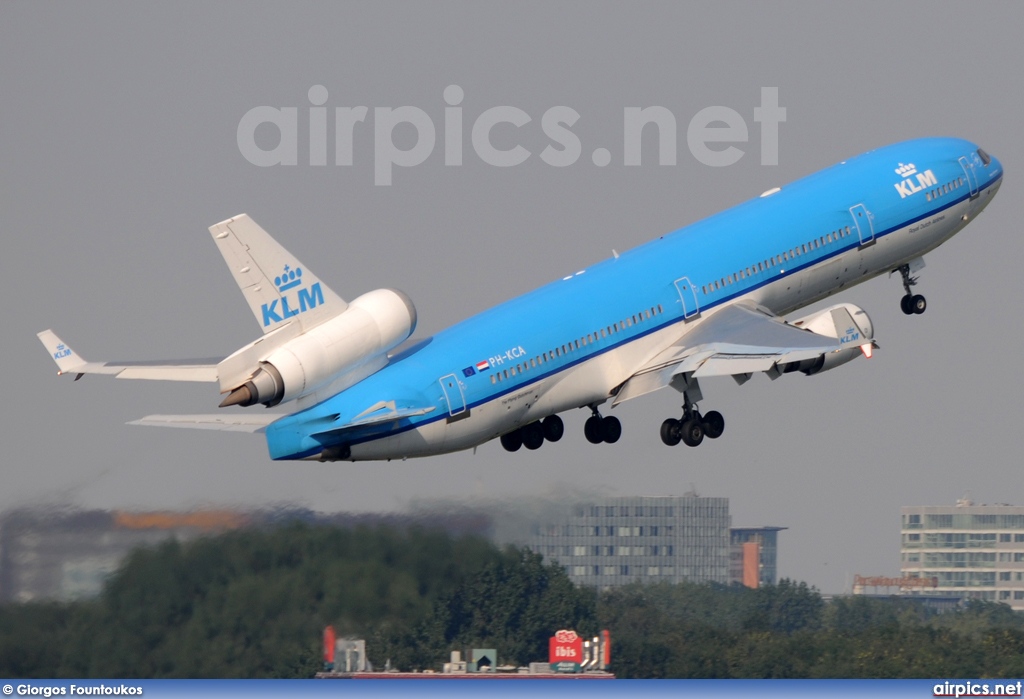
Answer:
(832, 322)
(373, 324)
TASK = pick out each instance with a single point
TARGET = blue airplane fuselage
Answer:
(573, 342)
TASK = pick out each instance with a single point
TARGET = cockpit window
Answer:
(985, 157)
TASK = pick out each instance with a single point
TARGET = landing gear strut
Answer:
(599, 429)
(693, 427)
(911, 304)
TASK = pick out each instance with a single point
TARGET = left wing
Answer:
(742, 339)
(70, 362)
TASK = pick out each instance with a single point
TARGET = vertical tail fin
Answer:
(277, 287)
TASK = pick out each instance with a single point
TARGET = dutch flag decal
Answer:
(482, 366)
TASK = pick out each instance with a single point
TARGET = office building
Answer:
(967, 550)
(753, 556)
(613, 541)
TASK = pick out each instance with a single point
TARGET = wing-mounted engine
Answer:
(847, 323)
(279, 368)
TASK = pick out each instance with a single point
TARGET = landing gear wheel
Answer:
(918, 304)
(691, 432)
(905, 304)
(592, 429)
(512, 441)
(611, 429)
(713, 424)
(554, 428)
(670, 432)
(533, 436)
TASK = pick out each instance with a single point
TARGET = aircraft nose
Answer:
(996, 167)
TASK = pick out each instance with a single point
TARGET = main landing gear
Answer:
(693, 427)
(911, 304)
(599, 429)
(534, 435)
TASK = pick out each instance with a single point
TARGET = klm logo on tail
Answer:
(291, 305)
(851, 336)
(909, 186)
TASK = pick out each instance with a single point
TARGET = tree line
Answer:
(254, 603)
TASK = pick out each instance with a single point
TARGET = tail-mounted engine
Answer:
(372, 325)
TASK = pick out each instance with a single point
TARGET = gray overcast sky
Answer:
(118, 149)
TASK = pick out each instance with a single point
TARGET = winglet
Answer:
(67, 360)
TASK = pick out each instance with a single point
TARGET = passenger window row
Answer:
(945, 189)
(765, 265)
(576, 345)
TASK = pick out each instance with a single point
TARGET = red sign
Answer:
(565, 647)
(329, 645)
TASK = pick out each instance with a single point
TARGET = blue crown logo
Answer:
(289, 279)
(906, 170)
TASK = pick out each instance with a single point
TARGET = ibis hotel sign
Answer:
(565, 651)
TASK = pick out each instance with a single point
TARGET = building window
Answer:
(1004, 538)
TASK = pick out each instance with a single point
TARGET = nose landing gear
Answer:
(911, 304)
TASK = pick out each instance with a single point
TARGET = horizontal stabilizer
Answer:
(223, 422)
(70, 362)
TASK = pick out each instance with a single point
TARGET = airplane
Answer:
(709, 299)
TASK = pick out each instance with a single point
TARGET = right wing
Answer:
(70, 362)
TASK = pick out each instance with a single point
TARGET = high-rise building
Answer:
(613, 541)
(753, 558)
(967, 550)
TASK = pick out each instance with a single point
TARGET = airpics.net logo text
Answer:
(714, 135)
